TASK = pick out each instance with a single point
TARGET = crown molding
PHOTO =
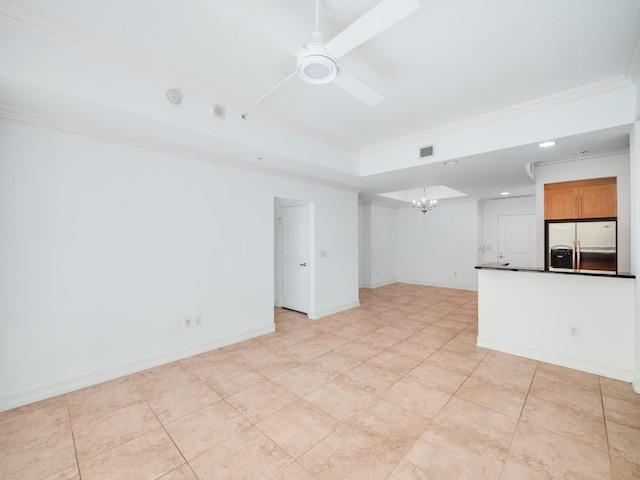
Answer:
(34, 118)
(44, 25)
(577, 158)
(513, 197)
(586, 91)
(404, 205)
(379, 203)
(444, 202)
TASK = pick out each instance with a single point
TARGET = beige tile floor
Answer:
(395, 389)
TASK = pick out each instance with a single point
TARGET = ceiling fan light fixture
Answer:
(317, 71)
(316, 65)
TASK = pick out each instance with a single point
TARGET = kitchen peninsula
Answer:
(583, 321)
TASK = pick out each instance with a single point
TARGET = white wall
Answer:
(613, 165)
(439, 248)
(106, 247)
(635, 238)
(335, 214)
(403, 245)
(384, 245)
(379, 245)
(635, 228)
(537, 325)
(364, 245)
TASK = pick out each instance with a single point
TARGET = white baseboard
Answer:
(589, 367)
(43, 392)
(473, 288)
(331, 311)
(379, 284)
(418, 282)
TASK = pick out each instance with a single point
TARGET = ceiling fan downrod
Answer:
(315, 64)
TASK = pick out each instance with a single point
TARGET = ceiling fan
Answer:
(317, 60)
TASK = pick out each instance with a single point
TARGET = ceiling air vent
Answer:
(426, 151)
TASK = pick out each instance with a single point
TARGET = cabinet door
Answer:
(598, 201)
(560, 203)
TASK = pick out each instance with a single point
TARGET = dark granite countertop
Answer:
(506, 266)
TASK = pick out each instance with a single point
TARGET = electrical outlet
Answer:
(199, 320)
(187, 322)
(574, 331)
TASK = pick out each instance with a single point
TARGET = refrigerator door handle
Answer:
(578, 266)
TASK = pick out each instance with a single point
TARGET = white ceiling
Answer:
(448, 62)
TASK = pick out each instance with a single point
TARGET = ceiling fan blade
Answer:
(246, 21)
(273, 94)
(379, 18)
(361, 91)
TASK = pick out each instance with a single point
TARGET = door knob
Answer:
(303, 264)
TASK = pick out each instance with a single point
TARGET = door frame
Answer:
(278, 236)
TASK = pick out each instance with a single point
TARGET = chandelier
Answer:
(425, 205)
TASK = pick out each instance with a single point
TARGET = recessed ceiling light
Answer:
(547, 144)
(217, 111)
(450, 162)
(504, 193)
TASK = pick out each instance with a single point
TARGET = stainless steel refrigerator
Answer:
(582, 246)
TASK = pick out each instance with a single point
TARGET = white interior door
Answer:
(294, 257)
(517, 240)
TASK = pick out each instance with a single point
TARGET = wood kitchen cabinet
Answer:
(594, 198)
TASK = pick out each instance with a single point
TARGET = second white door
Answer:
(294, 257)
(517, 240)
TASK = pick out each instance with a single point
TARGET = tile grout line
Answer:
(606, 427)
(73, 436)
(515, 432)
(161, 425)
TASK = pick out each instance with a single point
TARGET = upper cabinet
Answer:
(595, 198)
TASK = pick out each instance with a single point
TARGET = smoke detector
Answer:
(174, 96)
